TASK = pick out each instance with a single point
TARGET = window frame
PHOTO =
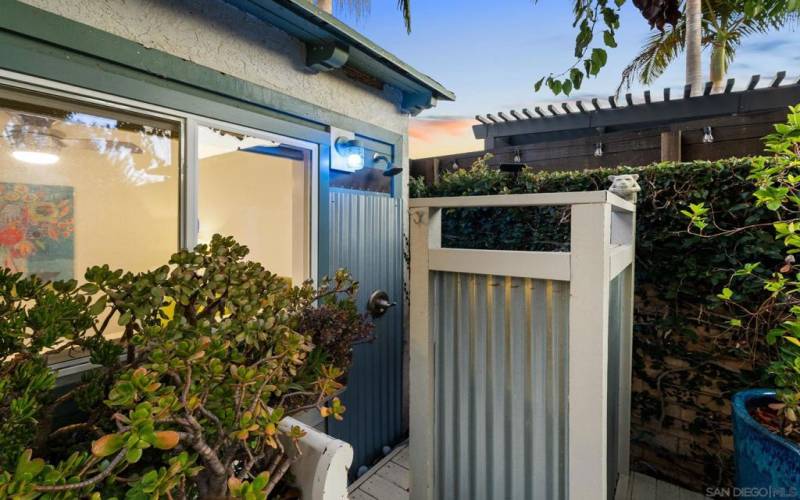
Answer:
(188, 164)
(188, 123)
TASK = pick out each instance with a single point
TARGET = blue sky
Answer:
(491, 53)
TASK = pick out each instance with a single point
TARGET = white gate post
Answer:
(588, 350)
(425, 233)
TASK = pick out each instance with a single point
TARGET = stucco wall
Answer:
(216, 35)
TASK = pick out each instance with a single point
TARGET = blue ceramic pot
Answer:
(767, 465)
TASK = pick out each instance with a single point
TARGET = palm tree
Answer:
(362, 7)
(723, 27)
(694, 27)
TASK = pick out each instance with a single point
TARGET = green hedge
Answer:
(678, 275)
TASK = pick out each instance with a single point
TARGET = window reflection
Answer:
(81, 186)
(259, 192)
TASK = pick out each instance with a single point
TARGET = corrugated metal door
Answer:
(366, 237)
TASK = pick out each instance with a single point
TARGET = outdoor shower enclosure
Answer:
(521, 361)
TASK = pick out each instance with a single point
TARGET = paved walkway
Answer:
(389, 480)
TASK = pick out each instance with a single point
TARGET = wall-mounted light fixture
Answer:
(455, 165)
(708, 136)
(347, 153)
(598, 150)
(382, 161)
(515, 167)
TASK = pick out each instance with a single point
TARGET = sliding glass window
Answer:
(82, 185)
(257, 190)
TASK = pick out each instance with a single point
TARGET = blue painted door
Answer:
(366, 237)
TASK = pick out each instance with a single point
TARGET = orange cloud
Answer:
(440, 136)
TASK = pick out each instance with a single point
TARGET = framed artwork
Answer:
(37, 230)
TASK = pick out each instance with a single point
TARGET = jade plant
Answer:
(777, 181)
(196, 365)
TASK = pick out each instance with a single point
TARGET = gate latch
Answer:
(378, 303)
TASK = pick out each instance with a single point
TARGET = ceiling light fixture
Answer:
(35, 157)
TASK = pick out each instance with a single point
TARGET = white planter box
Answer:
(321, 469)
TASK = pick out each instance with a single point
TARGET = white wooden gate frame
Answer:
(601, 246)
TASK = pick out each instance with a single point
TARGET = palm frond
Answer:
(405, 7)
(659, 50)
(358, 8)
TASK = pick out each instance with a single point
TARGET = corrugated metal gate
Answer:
(366, 237)
(520, 361)
(501, 394)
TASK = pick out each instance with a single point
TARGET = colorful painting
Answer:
(37, 230)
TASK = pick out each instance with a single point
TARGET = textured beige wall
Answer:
(221, 37)
(262, 202)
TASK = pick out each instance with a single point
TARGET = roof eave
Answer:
(331, 44)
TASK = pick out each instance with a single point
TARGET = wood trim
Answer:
(619, 259)
(524, 200)
(424, 234)
(588, 352)
(536, 265)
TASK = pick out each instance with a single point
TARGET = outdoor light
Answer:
(35, 157)
(455, 165)
(515, 167)
(708, 137)
(598, 150)
(381, 161)
(353, 152)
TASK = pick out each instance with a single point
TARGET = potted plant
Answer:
(194, 396)
(766, 421)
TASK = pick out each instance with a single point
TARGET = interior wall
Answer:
(263, 202)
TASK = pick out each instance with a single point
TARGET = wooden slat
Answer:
(644, 487)
(524, 200)
(535, 265)
(383, 489)
(667, 491)
(395, 474)
(402, 458)
(360, 495)
(620, 258)
(623, 488)
(729, 85)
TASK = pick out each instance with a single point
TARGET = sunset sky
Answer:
(491, 53)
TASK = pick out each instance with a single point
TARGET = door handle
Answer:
(379, 303)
